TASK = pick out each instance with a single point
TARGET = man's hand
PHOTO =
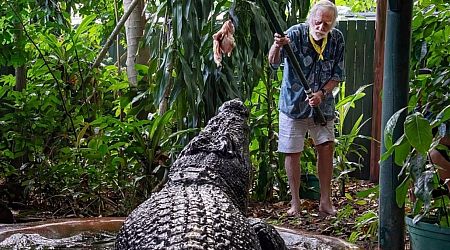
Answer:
(279, 41)
(274, 52)
(316, 99)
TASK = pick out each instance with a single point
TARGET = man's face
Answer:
(321, 23)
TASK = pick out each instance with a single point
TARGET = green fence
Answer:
(359, 35)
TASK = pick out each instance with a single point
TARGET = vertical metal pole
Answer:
(395, 96)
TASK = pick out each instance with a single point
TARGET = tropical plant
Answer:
(429, 108)
(308, 163)
(430, 62)
(69, 139)
(345, 142)
(366, 226)
(366, 223)
(270, 179)
(109, 156)
(411, 152)
(183, 57)
(358, 5)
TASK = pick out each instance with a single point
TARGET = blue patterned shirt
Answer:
(317, 72)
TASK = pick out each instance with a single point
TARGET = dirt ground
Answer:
(356, 220)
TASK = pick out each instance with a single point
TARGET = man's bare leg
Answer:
(325, 170)
(444, 165)
(438, 159)
(292, 165)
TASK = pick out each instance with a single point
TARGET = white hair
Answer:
(323, 4)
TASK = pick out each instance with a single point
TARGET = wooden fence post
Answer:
(380, 27)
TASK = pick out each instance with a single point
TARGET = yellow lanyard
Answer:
(317, 48)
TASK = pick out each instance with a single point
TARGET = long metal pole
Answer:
(395, 96)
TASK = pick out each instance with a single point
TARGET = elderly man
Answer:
(319, 48)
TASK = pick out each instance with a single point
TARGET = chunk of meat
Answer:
(223, 42)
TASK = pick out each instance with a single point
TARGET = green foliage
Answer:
(108, 158)
(345, 142)
(12, 44)
(418, 137)
(112, 157)
(429, 107)
(419, 140)
(430, 44)
(269, 172)
(74, 139)
(298, 10)
(183, 55)
(441, 205)
(308, 163)
(366, 224)
(358, 5)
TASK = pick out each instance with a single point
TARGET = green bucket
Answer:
(309, 187)
(427, 236)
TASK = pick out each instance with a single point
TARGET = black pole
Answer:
(395, 96)
(318, 115)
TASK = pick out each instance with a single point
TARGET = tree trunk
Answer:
(21, 80)
(20, 71)
(113, 34)
(134, 29)
(116, 14)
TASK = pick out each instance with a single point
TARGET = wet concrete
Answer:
(297, 239)
(99, 233)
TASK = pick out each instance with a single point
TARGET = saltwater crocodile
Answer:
(204, 203)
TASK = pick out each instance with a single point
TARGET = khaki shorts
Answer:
(292, 133)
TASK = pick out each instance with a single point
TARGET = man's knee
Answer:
(292, 156)
(329, 145)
